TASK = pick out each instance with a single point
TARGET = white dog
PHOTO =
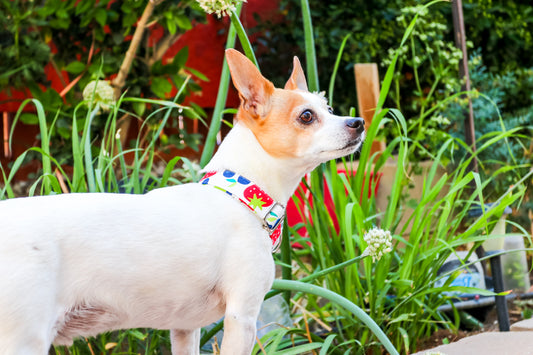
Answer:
(176, 258)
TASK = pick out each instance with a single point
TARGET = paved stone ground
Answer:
(519, 341)
(523, 326)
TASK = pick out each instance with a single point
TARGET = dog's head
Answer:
(291, 122)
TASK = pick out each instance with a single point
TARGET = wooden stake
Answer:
(5, 123)
(367, 86)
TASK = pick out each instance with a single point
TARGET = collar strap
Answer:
(269, 212)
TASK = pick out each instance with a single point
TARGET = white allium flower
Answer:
(103, 95)
(379, 243)
(219, 7)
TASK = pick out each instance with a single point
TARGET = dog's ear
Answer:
(297, 79)
(254, 89)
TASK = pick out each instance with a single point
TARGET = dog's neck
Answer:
(241, 152)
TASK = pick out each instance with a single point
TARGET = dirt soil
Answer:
(518, 308)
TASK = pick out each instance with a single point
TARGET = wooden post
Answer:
(367, 86)
(460, 42)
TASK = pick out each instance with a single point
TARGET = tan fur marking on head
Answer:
(279, 133)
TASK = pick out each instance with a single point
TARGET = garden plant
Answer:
(351, 296)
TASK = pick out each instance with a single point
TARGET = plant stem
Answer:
(341, 301)
(310, 55)
(286, 258)
(243, 38)
(318, 274)
(222, 94)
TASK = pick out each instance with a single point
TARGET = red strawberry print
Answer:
(256, 197)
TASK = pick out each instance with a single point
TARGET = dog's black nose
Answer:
(356, 123)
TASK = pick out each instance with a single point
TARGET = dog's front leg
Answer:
(185, 342)
(240, 328)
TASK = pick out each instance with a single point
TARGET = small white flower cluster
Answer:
(379, 243)
(103, 94)
(219, 7)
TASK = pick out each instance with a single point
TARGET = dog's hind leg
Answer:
(185, 342)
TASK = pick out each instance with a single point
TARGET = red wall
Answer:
(206, 44)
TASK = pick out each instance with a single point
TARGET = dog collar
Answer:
(252, 196)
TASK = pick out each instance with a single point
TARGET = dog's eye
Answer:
(330, 109)
(307, 117)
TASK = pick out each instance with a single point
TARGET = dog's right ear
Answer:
(254, 89)
(297, 79)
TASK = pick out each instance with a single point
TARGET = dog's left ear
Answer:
(254, 89)
(297, 79)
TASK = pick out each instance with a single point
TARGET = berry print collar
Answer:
(252, 196)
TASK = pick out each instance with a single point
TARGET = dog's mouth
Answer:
(354, 144)
(349, 148)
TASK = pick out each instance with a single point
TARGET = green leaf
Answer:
(197, 74)
(183, 22)
(402, 318)
(29, 118)
(83, 7)
(300, 349)
(180, 59)
(139, 108)
(75, 67)
(137, 334)
(100, 15)
(171, 26)
(327, 344)
(160, 86)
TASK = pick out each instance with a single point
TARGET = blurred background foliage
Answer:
(88, 39)
(500, 44)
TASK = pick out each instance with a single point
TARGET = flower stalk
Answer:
(236, 29)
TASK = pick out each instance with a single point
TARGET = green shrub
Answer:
(503, 102)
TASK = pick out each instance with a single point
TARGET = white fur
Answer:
(175, 258)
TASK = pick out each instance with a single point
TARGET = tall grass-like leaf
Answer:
(86, 142)
(222, 93)
(243, 38)
(310, 53)
(45, 142)
(7, 190)
(336, 68)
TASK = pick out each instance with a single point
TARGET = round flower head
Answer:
(103, 94)
(379, 243)
(219, 7)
